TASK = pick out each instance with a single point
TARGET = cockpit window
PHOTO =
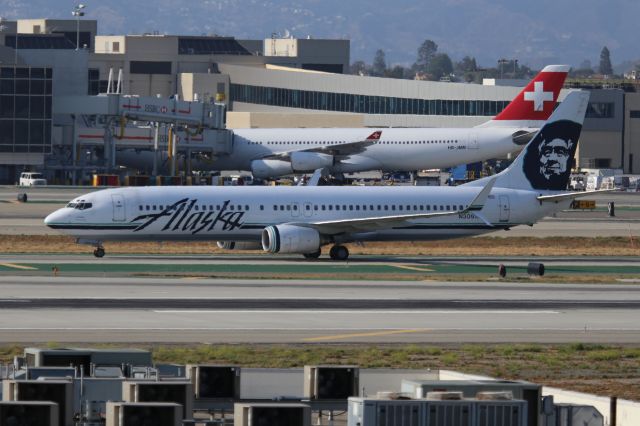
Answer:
(80, 205)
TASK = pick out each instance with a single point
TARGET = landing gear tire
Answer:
(339, 253)
(98, 252)
(312, 256)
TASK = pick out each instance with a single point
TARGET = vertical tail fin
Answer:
(535, 103)
(545, 163)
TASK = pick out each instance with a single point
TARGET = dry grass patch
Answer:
(599, 369)
(482, 246)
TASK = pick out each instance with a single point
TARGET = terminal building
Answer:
(52, 72)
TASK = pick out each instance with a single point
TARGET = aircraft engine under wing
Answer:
(303, 161)
(267, 168)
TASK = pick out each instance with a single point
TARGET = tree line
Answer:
(434, 65)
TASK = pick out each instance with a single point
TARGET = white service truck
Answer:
(32, 179)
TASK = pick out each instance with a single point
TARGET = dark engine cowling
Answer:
(290, 239)
(239, 245)
(263, 169)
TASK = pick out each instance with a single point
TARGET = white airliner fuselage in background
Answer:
(276, 152)
(269, 153)
(303, 219)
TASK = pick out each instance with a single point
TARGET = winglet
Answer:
(478, 203)
(375, 135)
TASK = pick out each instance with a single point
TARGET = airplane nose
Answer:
(53, 217)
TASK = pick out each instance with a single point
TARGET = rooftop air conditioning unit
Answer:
(146, 413)
(215, 382)
(444, 396)
(272, 414)
(28, 413)
(57, 391)
(379, 412)
(35, 373)
(330, 382)
(58, 358)
(179, 392)
(65, 357)
(501, 412)
(530, 392)
(577, 415)
(449, 413)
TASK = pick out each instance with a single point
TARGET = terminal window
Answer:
(25, 109)
(346, 102)
(600, 110)
(210, 46)
(150, 67)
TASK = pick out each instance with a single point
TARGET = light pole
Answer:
(78, 11)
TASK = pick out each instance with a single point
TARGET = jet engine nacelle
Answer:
(309, 161)
(239, 245)
(263, 169)
(290, 239)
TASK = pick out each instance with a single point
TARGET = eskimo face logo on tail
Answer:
(549, 156)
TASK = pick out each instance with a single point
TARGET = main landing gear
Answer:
(99, 252)
(312, 256)
(339, 252)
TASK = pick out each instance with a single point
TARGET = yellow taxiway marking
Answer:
(13, 265)
(414, 268)
(370, 334)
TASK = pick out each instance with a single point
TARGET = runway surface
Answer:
(132, 299)
(124, 309)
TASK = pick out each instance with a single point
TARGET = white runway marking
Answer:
(350, 312)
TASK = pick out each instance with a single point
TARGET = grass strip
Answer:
(604, 370)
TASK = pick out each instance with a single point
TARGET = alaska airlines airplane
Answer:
(270, 153)
(302, 219)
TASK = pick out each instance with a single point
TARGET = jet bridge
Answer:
(110, 123)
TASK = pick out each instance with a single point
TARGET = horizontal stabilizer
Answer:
(571, 195)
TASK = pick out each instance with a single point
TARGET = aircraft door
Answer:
(505, 208)
(119, 214)
(472, 143)
(307, 209)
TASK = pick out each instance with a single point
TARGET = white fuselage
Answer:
(399, 149)
(242, 213)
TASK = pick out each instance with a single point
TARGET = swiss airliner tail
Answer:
(535, 103)
(545, 163)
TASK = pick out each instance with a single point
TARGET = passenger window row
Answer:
(307, 207)
(448, 141)
(372, 207)
(197, 207)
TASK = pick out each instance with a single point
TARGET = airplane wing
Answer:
(338, 150)
(385, 222)
(570, 195)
